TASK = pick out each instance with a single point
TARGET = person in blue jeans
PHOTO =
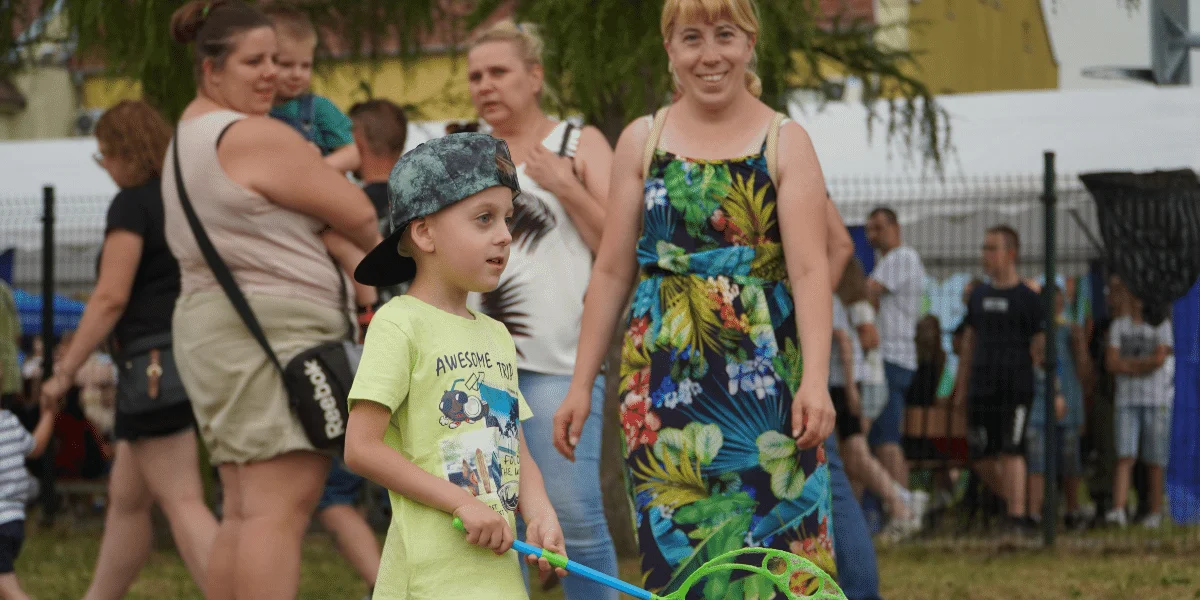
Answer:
(896, 287)
(858, 571)
(563, 170)
(575, 488)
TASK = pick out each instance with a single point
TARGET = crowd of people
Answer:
(980, 423)
(767, 382)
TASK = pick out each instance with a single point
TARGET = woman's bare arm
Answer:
(268, 157)
(612, 277)
(118, 266)
(803, 227)
(841, 245)
(616, 263)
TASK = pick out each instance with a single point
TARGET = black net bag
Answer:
(1150, 223)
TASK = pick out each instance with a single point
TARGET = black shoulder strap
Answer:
(221, 271)
(566, 141)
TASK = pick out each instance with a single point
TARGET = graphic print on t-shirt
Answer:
(484, 461)
(1137, 343)
(995, 305)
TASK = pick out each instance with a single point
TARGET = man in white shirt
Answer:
(895, 287)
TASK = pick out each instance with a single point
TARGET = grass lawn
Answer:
(56, 564)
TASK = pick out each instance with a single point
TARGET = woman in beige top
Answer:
(264, 197)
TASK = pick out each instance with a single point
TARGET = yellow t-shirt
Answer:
(451, 384)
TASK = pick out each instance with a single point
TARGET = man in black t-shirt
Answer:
(380, 131)
(1003, 338)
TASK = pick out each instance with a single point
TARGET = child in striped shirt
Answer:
(17, 487)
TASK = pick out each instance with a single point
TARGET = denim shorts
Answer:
(1070, 464)
(1144, 432)
(342, 486)
(887, 426)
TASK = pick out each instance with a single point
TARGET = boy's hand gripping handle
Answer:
(573, 568)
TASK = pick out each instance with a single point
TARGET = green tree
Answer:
(603, 57)
(605, 60)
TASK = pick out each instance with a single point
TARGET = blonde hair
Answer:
(293, 23)
(743, 13)
(524, 37)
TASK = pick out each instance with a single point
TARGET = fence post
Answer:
(49, 496)
(1050, 419)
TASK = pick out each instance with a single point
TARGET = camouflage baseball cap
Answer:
(430, 177)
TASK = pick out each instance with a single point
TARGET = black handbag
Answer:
(147, 379)
(317, 379)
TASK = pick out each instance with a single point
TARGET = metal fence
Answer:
(78, 232)
(945, 221)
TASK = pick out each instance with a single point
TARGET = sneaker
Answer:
(1152, 521)
(898, 530)
(1076, 521)
(1116, 517)
(918, 504)
(1021, 526)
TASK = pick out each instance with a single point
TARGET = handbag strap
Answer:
(225, 277)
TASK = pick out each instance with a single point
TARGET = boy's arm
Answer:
(367, 455)
(1082, 359)
(1115, 363)
(963, 378)
(1037, 348)
(542, 527)
(338, 131)
(344, 159)
(1135, 366)
(348, 256)
(42, 432)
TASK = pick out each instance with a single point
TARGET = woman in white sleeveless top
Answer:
(564, 172)
(264, 197)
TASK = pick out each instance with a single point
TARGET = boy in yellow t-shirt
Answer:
(435, 410)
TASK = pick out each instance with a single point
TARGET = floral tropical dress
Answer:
(709, 365)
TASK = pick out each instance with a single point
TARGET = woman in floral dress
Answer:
(725, 359)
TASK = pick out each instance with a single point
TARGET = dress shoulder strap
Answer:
(656, 129)
(772, 150)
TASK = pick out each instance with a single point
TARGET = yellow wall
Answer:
(50, 107)
(436, 86)
(892, 16)
(982, 45)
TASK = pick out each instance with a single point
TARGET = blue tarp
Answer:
(862, 248)
(1183, 472)
(66, 313)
